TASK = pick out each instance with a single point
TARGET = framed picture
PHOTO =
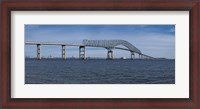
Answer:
(100, 54)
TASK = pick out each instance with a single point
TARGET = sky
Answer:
(154, 40)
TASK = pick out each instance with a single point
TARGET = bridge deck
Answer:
(52, 43)
(130, 51)
(68, 44)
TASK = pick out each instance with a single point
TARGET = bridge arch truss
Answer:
(111, 44)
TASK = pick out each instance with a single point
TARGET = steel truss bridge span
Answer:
(110, 44)
(107, 44)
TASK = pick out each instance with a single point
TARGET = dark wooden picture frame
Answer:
(193, 102)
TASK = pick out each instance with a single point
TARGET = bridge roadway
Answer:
(135, 52)
(53, 43)
(82, 50)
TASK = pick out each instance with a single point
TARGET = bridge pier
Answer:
(140, 56)
(110, 54)
(63, 52)
(81, 52)
(132, 55)
(38, 51)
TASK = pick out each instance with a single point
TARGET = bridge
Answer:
(107, 44)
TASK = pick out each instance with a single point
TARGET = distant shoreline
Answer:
(101, 59)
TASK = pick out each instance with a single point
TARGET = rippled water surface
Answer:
(99, 71)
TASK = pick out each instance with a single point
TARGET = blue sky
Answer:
(154, 40)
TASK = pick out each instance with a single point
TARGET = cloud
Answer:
(156, 41)
(172, 29)
(31, 27)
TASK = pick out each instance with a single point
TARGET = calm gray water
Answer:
(99, 71)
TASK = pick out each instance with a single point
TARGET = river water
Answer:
(99, 71)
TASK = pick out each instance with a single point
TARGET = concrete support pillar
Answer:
(38, 51)
(110, 54)
(132, 55)
(63, 52)
(140, 56)
(82, 52)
